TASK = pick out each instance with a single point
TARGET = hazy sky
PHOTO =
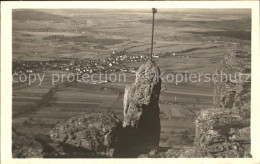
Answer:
(160, 10)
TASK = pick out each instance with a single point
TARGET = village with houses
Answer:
(114, 63)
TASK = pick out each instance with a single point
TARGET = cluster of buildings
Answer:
(114, 63)
(21, 66)
(221, 42)
(178, 54)
(69, 65)
(124, 56)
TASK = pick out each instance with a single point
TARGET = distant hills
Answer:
(243, 24)
(23, 15)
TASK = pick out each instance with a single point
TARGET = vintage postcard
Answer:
(146, 81)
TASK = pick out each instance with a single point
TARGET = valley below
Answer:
(186, 42)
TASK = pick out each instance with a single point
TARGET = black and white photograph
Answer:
(151, 82)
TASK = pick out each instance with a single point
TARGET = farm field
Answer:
(44, 35)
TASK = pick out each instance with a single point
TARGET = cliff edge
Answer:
(224, 130)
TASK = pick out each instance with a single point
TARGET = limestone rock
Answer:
(232, 88)
(172, 152)
(221, 133)
(25, 147)
(243, 100)
(141, 107)
(224, 131)
(92, 134)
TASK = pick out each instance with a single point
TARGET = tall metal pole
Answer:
(154, 11)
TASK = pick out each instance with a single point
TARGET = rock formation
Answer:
(25, 147)
(224, 131)
(232, 91)
(93, 134)
(141, 105)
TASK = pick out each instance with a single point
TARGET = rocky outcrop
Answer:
(221, 133)
(173, 152)
(232, 89)
(224, 131)
(141, 105)
(25, 147)
(92, 135)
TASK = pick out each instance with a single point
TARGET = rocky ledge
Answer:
(224, 130)
(25, 147)
(89, 135)
(222, 133)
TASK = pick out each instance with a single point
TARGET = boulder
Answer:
(25, 147)
(90, 135)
